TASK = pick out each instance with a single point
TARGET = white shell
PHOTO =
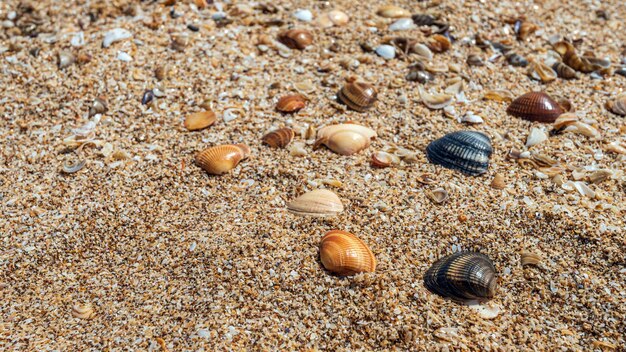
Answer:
(385, 51)
(115, 35)
(402, 24)
(303, 15)
(536, 136)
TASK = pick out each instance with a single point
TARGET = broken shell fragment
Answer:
(564, 71)
(345, 139)
(222, 158)
(464, 151)
(462, 276)
(200, 120)
(618, 105)
(535, 106)
(72, 168)
(438, 196)
(435, 101)
(536, 136)
(83, 311)
(358, 96)
(541, 72)
(529, 258)
(279, 138)
(383, 159)
(439, 43)
(333, 18)
(499, 95)
(345, 254)
(317, 203)
(291, 103)
(498, 182)
(296, 38)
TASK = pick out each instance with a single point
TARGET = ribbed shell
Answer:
(291, 103)
(464, 151)
(319, 203)
(359, 96)
(535, 106)
(462, 276)
(222, 158)
(345, 254)
(279, 138)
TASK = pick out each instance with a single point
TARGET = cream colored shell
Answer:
(345, 139)
(319, 203)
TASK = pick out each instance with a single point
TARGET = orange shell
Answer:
(222, 158)
(200, 120)
(345, 254)
(279, 138)
(291, 103)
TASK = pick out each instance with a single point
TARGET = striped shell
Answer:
(345, 254)
(222, 158)
(564, 71)
(462, 276)
(358, 96)
(618, 105)
(345, 138)
(291, 103)
(535, 106)
(318, 203)
(279, 138)
(296, 38)
(464, 151)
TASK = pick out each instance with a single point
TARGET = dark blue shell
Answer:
(465, 151)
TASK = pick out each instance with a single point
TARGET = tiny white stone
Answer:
(385, 51)
(115, 35)
(536, 136)
(303, 15)
(402, 24)
(78, 39)
(124, 56)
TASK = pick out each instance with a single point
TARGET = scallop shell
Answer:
(391, 11)
(358, 96)
(222, 158)
(318, 203)
(345, 254)
(83, 311)
(462, 276)
(535, 106)
(345, 139)
(200, 120)
(296, 38)
(291, 103)
(279, 138)
(464, 151)
(618, 105)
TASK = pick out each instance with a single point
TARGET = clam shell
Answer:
(296, 38)
(345, 254)
(462, 276)
(498, 182)
(345, 139)
(535, 106)
(391, 11)
(439, 43)
(382, 159)
(464, 151)
(222, 158)
(541, 72)
(358, 96)
(564, 71)
(317, 203)
(435, 101)
(291, 103)
(618, 105)
(200, 120)
(279, 138)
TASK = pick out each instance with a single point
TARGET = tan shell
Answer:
(438, 196)
(279, 138)
(345, 254)
(383, 159)
(222, 158)
(83, 311)
(498, 182)
(391, 11)
(318, 203)
(529, 258)
(435, 101)
(499, 95)
(291, 103)
(333, 18)
(541, 72)
(345, 139)
(200, 120)
(296, 38)
(359, 96)
(618, 105)
(439, 43)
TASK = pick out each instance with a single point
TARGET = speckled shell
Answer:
(462, 276)
(358, 96)
(279, 138)
(296, 38)
(345, 254)
(535, 106)
(464, 151)
(222, 158)
(291, 103)
(346, 138)
(317, 203)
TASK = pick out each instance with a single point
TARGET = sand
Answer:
(142, 250)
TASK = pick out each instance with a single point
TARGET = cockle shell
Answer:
(222, 158)
(618, 105)
(535, 106)
(345, 254)
(318, 203)
(346, 138)
(462, 276)
(200, 120)
(279, 138)
(291, 103)
(464, 151)
(358, 96)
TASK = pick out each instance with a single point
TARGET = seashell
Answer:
(422, 19)
(584, 64)
(498, 182)
(115, 35)
(297, 149)
(279, 138)
(383, 159)
(447, 334)
(333, 18)
(536, 136)
(439, 43)
(600, 176)
(565, 120)
(72, 168)
(148, 97)
(525, 29)
(529, 258)
(200, 120)
(66, 59)
(470, 117)
(345, 139)
(303, 15)
(475, 60)
(621, 71)
(98, 106)
(83, 311)
(435, 101)
(222, 158)
(345, 254)
(358, 96)
(535, 106)
(421, 50)
(462, 276)
(385, 51)
(564, 71)
(541, 72)
(617, 105)
(391, 11)
(291, 103)
(419, 76)
(499, 95)
(584, 129)
(318, 203)
(464, 151)
(402, 24)
(438, 196)
(515, 59)
(426, 179)
(296, 38)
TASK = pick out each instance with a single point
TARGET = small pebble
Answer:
(303, 15)
(78, 39)
(115, 35)
(385, 51)
(402, 24)
(124, 56)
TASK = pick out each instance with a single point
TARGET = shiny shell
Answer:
(391, 11)
(345, 139)
(200, 120)
(439, 43)
(345, 254)
(535, 106)
(464, 151)
(279, 138)
(382, 159)
(317, 203)
(435, 101)
(462, 276)
(333, 18)
(564, 71)
(541, 72)
(618, 105)
(296, 38)
(358, 96)
(222, 158)
(291, 103)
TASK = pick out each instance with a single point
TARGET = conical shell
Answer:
(279, 138)
(618, 105)
(346, 138)
(345, 254)
(464, 151)
(200, 120)
(222, 158)
(535, 106)
(319, 203)
(358, 96)
(462, 276)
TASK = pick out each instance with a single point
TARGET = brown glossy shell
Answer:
(439, 43)
(618, 105)
(279, 138)
(317, 203)
(535, 106)
(564, 71)
(345, 254)
(200, 120)
(222, 158)
(296, 38)
(359, 96)
(291, 103)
